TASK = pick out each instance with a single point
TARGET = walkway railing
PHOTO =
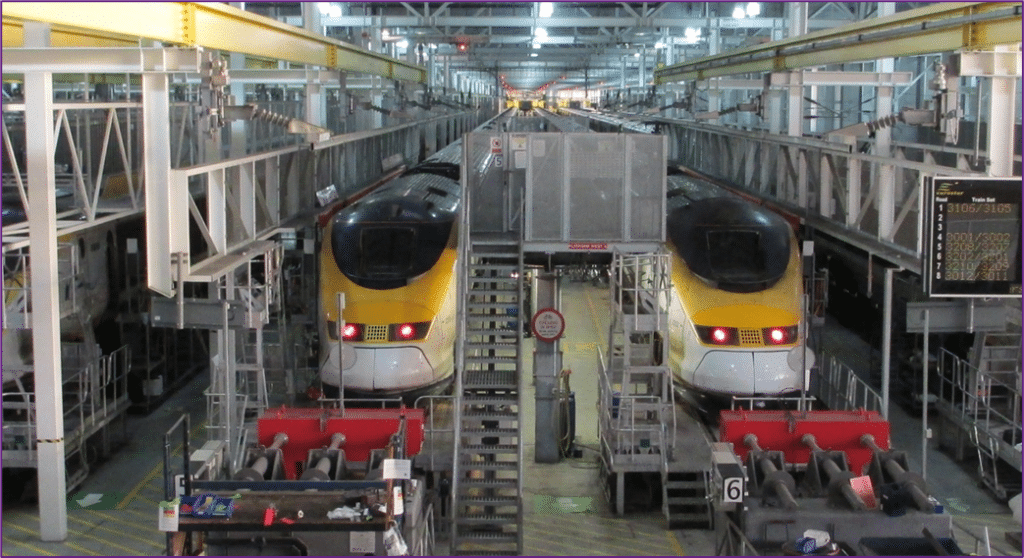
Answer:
(841, 389)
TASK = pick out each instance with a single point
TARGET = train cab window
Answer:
(386, 252)
(735, 254)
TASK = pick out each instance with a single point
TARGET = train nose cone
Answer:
(772, 374)
(401, 368)
(726, 372)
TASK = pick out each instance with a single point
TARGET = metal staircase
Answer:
(638, 421)
(997, 357)
(686, 499)
(996, 410)
(488, 450)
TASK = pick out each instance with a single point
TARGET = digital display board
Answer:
(973, 236)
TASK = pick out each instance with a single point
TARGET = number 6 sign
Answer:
(732, 490)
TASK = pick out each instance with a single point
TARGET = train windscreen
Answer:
(386, 252)
(731, 244)
(736, 256)
(378, 255)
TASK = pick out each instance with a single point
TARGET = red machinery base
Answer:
(783, 430)
(364, 430)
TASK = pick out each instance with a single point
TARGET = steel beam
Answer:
(945, 26)
(115, 60)
(212, 26)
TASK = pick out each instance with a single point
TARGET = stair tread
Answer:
(491, 535)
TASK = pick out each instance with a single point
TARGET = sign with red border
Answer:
(548, 324)
(588, 245)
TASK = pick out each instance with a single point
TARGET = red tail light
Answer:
(408, 331)
(780, 335)
(351, 332)
(717, 335)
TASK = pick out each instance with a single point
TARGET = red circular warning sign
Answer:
(548, 324)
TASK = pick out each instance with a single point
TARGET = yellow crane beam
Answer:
(208, 25)
(945, 26)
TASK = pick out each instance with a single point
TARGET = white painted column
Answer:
(377, 91)
(797, 27)
(236, 61)
(447, 75)
(794, 128)
(42, 207)
(641, 73)
(1004, 97)
(774, 116)
(316, 100)
(311, 20)
(886, 174)
(714, 97)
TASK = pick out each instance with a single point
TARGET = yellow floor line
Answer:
(105, 542)
(20, 528)
(674, 541)
(593, 313)
(27, 545)
(577, 529)
(141, 526)
(158, 469)
(122, 533)
(613, 530)
(138, 487)
(83, 550)
(545, 547)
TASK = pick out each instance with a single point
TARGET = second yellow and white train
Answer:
(736, 322)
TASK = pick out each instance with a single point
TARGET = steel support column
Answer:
(1003, 68)
(547, 363)
(886, 341)
(164, 195)
(236, 148)
(42, 205)
(795, 129)
(886, 177)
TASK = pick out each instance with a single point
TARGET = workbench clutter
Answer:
(208, 505)
(394, 544)
(357, 512)
(202, 506)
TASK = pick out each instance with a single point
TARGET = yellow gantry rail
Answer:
(192, 24)
(945, 26)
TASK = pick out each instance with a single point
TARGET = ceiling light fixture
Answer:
(328, 9)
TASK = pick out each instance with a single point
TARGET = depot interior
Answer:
(178, 180)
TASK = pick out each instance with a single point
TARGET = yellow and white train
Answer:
(394, 256)
(736, 323)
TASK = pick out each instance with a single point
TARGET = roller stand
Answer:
(890, 467)
(267, 456)
(828, 473)
(768, 474)
(321, 463)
